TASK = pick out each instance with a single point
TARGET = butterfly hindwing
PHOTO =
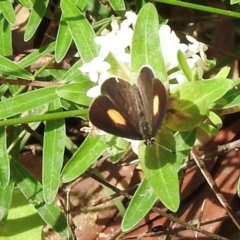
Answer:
(154, 98)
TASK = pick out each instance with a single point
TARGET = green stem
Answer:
(45, 117)
(201, 8)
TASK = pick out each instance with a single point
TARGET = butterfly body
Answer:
(132, 111)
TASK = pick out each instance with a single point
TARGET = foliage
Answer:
(193, 104)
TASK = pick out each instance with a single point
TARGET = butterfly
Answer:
(133, 111)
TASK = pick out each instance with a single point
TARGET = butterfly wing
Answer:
(154, 98)
(115, 110)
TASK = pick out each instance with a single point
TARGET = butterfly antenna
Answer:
(167, 149)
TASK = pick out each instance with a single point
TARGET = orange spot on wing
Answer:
(116, 117)
(156, 104)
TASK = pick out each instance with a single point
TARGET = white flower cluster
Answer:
(119, 40)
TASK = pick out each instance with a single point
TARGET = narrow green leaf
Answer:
(102, 23)
(142, 200)
(32, 190)
(3, 89)
(184, 66)
(35, 18)
(53, 151)
(146, 44)
(12, 69)
(158, 165)
(26, 3)
(74, 72)
(215, 119)
(63, 41)
(6, 37)
(81, 31)
(88, 152)
(223, 73)
(34, 56)
(234, 1)
(118, 68)
(7, 10)
(81, 4)
(76, 92)
(4, 160)
(212, 130)
(118, 6)
(26, 102)
(5, 201)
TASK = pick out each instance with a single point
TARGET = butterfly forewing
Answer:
(112, 111)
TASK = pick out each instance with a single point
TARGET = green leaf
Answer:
(26, 3)
(184, 66)
(102, 23)
(223, 73)
(32, 190)
(215, 119)
(146, 44)
(5, 201)
(139, 206)
(75, 73)
(81, 4)
(230, 100)
(76, 92)
(34, 56)
(23, 220)
(27, 101)
(80, 30)
(189, 102)
(57, 73)
(53, 151)
(118, 6)
(10, 68)
(6, 37)
(88, 152)
(4, 160)
(63, 41)
(117, 147)
(184, 143)
(35, 18)
(234, 1)
(118, 68)
(212, 130)
(7, 10)
(158, 165)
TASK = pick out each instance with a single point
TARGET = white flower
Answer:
(96, 90)
(170, 45)
(196, 62)
(196, 47)
(131, 19)
(93, 68)
(116, 41)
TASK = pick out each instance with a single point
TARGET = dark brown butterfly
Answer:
(132, 111)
